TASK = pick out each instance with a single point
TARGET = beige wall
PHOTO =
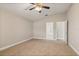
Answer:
(0, 28)
(73, 28)
(13, 28)
(39, 27)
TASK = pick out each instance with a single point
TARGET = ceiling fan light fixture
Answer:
(38, 8)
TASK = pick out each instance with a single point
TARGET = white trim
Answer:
(74, 49)
(5, 47)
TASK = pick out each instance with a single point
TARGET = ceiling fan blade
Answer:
(46, 7)
(32, 8)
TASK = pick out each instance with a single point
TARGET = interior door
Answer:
(50, 30)
(61, 30)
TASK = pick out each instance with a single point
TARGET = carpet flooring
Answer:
(37, 47)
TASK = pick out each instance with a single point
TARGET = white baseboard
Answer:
(74, 49)
(3, 48)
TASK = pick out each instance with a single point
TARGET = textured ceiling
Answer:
(19, 9)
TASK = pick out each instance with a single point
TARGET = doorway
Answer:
(56, 31)
(50, 30)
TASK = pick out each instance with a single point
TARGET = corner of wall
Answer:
(74, 49)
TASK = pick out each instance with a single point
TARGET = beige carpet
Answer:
(39, 48)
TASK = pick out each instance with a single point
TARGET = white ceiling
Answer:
(19, 8)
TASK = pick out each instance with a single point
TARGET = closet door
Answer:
(61, 30)
(50, 31)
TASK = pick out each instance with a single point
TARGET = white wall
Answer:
(13, 28)
(39, 27)
(73, 28)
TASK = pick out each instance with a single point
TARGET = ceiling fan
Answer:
(38, 7)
